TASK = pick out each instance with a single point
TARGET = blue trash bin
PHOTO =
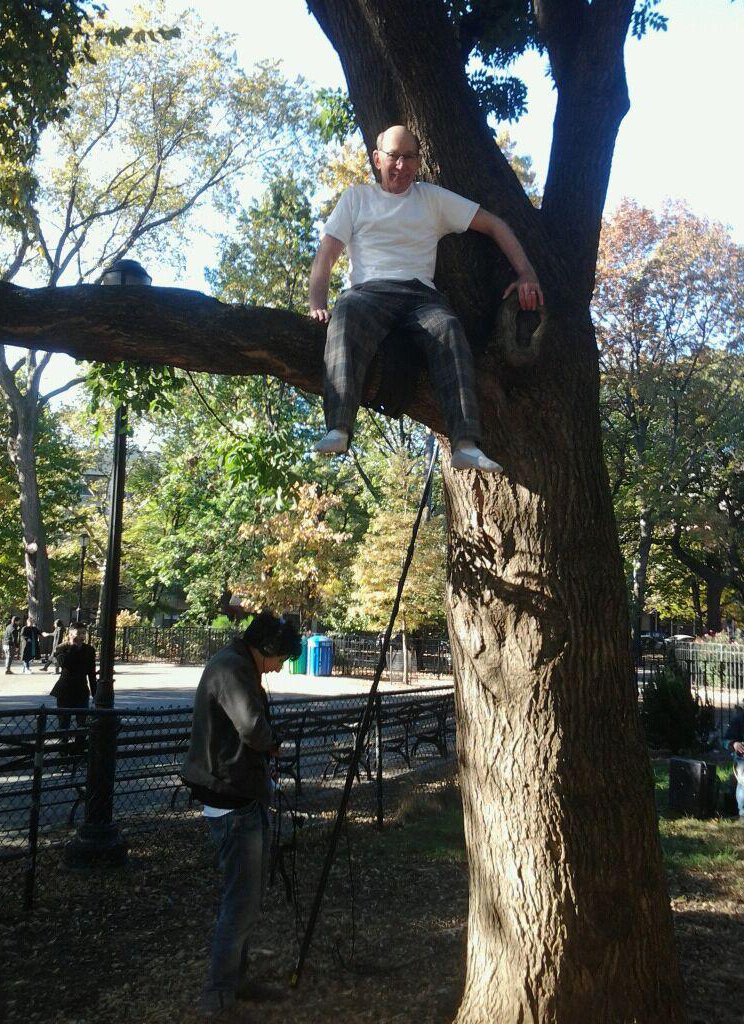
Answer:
(319, 655)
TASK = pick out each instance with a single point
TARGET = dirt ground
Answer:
(131, 945)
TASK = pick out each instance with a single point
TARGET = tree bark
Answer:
(713, 593)
(569, 917)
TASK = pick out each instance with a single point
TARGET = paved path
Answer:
(155, 685)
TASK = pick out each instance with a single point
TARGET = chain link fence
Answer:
(48, 772)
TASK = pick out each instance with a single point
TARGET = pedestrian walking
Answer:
(11, 641)
(30, 637)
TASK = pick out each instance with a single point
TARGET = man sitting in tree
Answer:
(392, 231)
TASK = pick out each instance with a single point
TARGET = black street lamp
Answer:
(98, 839)
(83, 548)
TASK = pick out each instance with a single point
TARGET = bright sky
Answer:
(681, 139)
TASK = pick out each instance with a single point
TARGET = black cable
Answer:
(362, 733)
(338, 956)
(210, 410)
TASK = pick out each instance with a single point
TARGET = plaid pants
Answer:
(363, 316)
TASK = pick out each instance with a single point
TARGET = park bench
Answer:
(317, 734)
(407, 725)
(148, 752)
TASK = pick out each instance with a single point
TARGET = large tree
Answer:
(569, 914)
(669, 313)
(152, 131)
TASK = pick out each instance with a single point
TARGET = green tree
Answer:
(151, 131)
(706, 522)
(60, 468)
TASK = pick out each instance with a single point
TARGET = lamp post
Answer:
(83, 548)
(98, 839)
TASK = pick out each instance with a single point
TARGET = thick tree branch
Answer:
(708, 573)
(585, 44)
(175, 327)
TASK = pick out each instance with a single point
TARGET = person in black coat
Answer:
(31, 636)
(227, 769)
(77, 680)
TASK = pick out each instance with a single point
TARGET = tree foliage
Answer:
(380, 557)
(669, 314)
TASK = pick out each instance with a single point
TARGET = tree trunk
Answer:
(569, 917)
(640, 572)
(713, 591)
(697, 605)
(21, 442)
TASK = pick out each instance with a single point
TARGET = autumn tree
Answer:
(569, 917)
(668, 298)
(304, 555)
(381, 553)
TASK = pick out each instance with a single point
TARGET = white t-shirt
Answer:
(394, 237)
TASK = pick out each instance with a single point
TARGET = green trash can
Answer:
(298, 666)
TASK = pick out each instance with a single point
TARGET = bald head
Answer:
(398, 138)
(396, 158)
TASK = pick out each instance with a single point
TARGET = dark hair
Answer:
(58, 622)
(273, 637)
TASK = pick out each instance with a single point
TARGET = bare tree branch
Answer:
(46, 399)
(17, 262)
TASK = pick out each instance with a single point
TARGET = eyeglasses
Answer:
(407, 158)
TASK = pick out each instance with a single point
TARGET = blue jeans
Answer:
(242, 841)
(739, 773)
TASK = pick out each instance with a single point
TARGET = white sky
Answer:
(682, 138)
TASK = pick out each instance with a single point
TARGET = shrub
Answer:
(221, 622)
(672, 717)
(127, 618)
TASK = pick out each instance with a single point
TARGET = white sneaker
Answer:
(336, 442)
(473, 458)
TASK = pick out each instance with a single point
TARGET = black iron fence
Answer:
(354, 654)
(43, 762)
(713, 675)
(174, 645)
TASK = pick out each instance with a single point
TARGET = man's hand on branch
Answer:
(321, 315)
(528, 290)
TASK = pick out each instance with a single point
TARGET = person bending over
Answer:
(391, 231)
(227, 769)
